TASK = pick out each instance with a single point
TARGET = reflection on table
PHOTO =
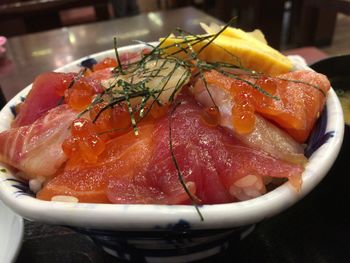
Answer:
(29, 55)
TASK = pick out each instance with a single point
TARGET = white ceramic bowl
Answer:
(150, 222)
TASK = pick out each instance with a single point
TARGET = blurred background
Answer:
(286, 23)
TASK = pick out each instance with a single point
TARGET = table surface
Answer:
(29, 55)
(316, 229)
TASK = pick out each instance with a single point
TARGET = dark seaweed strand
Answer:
(305, 83)
(194, 56)
(145, 96)
(119, 100)
(218, 66)
(223, 64)
(193, 198)
(120, 67)
(218, 34)
(96, 100)
(130, 109)
(143, 104)
(155, 73)
(196, 40)
(253, 73)
(160, 54)
(179, 84)
(253, 85)
(75, 79)
(126, 95)
(240, 66)
(156, 98)
(155, 55)
(181, 80)
(155, 49)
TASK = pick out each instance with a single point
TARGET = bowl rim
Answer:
(330, 58)
(162, 217)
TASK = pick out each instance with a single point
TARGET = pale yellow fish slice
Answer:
(234, 32)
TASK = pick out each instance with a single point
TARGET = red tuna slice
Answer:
(36, 149)
(216, 167)
(42, 97)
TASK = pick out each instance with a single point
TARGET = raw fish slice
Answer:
(36, 149)
(158, 183)
(302, 95)
(300, 104)
(264, 136)
(123, 156)
(216, 167)
(42, 97)
(101, 74)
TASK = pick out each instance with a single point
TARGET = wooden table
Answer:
(29, 55)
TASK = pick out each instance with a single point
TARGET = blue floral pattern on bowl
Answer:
(319, 136)
(177, 243)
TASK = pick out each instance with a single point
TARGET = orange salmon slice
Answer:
(301, 98)
(123, 157)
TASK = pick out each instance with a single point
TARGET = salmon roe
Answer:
(84, 142)
(81, 94)
(243, 113)
(247, 100)
(66, 80)
(110, 122)
(210, 116)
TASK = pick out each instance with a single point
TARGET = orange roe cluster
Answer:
(248, 100)
(80, 93)
(84, 142)
(90, 134)
(110, 122)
